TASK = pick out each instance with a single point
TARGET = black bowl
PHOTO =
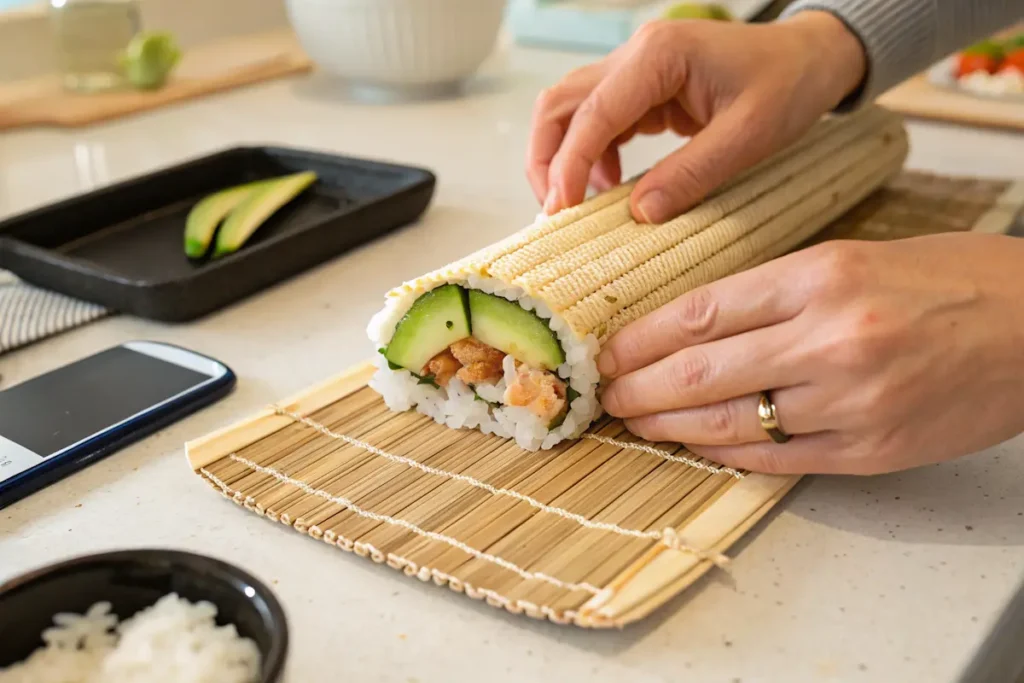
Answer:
(131, 580)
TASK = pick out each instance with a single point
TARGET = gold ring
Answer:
(769, 420)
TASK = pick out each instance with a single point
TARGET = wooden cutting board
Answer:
(918, 97)
(203, 70)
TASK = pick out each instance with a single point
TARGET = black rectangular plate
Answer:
(122, 246)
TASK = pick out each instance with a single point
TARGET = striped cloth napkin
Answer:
(29, 314)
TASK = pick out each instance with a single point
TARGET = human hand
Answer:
(879, 356)
(743, 91)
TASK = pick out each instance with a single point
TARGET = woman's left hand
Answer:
(879, 356)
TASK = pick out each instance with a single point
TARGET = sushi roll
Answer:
(506, 339)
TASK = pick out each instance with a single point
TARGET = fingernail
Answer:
(654, 203)
(606, 364)
(551, 200)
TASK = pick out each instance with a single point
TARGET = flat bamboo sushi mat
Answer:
(598, 532)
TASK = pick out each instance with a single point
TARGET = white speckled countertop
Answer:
(893, 578)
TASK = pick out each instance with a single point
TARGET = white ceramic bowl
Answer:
(401, 46)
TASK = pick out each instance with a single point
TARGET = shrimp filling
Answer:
(539, 391)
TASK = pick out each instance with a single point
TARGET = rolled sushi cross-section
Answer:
(506, 339)
(478, 354)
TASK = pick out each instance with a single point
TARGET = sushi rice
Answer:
(171, 641)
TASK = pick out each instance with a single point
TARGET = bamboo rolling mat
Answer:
(598, 532)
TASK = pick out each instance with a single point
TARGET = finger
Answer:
(678, 120)
(627, 92)
(607, 173)
(729, 144)
(748, 300)
(551, 114)
(821, 453)
(732, 422)
(708, 373)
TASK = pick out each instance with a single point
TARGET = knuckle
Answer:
(875, 400)
(610, 400)
(719, 422)
(547, 99)
(650, 33)
(695, 315)
(625, 348)
(850, 355)
(644, 429)
(852, 348)
(659, 55)
(691, 369)
(689, 175)
(865, 338)
(594, 112)
(620, 397)
(839, 268)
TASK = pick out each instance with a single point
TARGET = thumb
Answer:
(732, 142)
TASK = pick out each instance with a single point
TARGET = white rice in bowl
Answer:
(172, 641)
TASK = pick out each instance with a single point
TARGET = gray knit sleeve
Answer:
(904, 37)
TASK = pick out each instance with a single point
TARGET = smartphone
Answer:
(59, 422)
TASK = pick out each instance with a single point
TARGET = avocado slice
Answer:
(256, 208)
(203, 219)
(512, 329)
(436, 320)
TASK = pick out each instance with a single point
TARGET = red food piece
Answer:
(1014, 59)
(968, 63)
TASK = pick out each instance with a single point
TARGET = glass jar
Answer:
(89, 36)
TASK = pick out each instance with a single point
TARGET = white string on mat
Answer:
(433, 535)
(667, 536)
(696, 464)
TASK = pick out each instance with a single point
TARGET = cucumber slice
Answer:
(436, 320)
(511, 329)
(256, 208)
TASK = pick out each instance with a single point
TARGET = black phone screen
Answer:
(56, 410)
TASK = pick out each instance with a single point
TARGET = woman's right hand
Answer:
(743, 91)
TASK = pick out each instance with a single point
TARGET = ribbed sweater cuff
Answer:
(898, 38)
